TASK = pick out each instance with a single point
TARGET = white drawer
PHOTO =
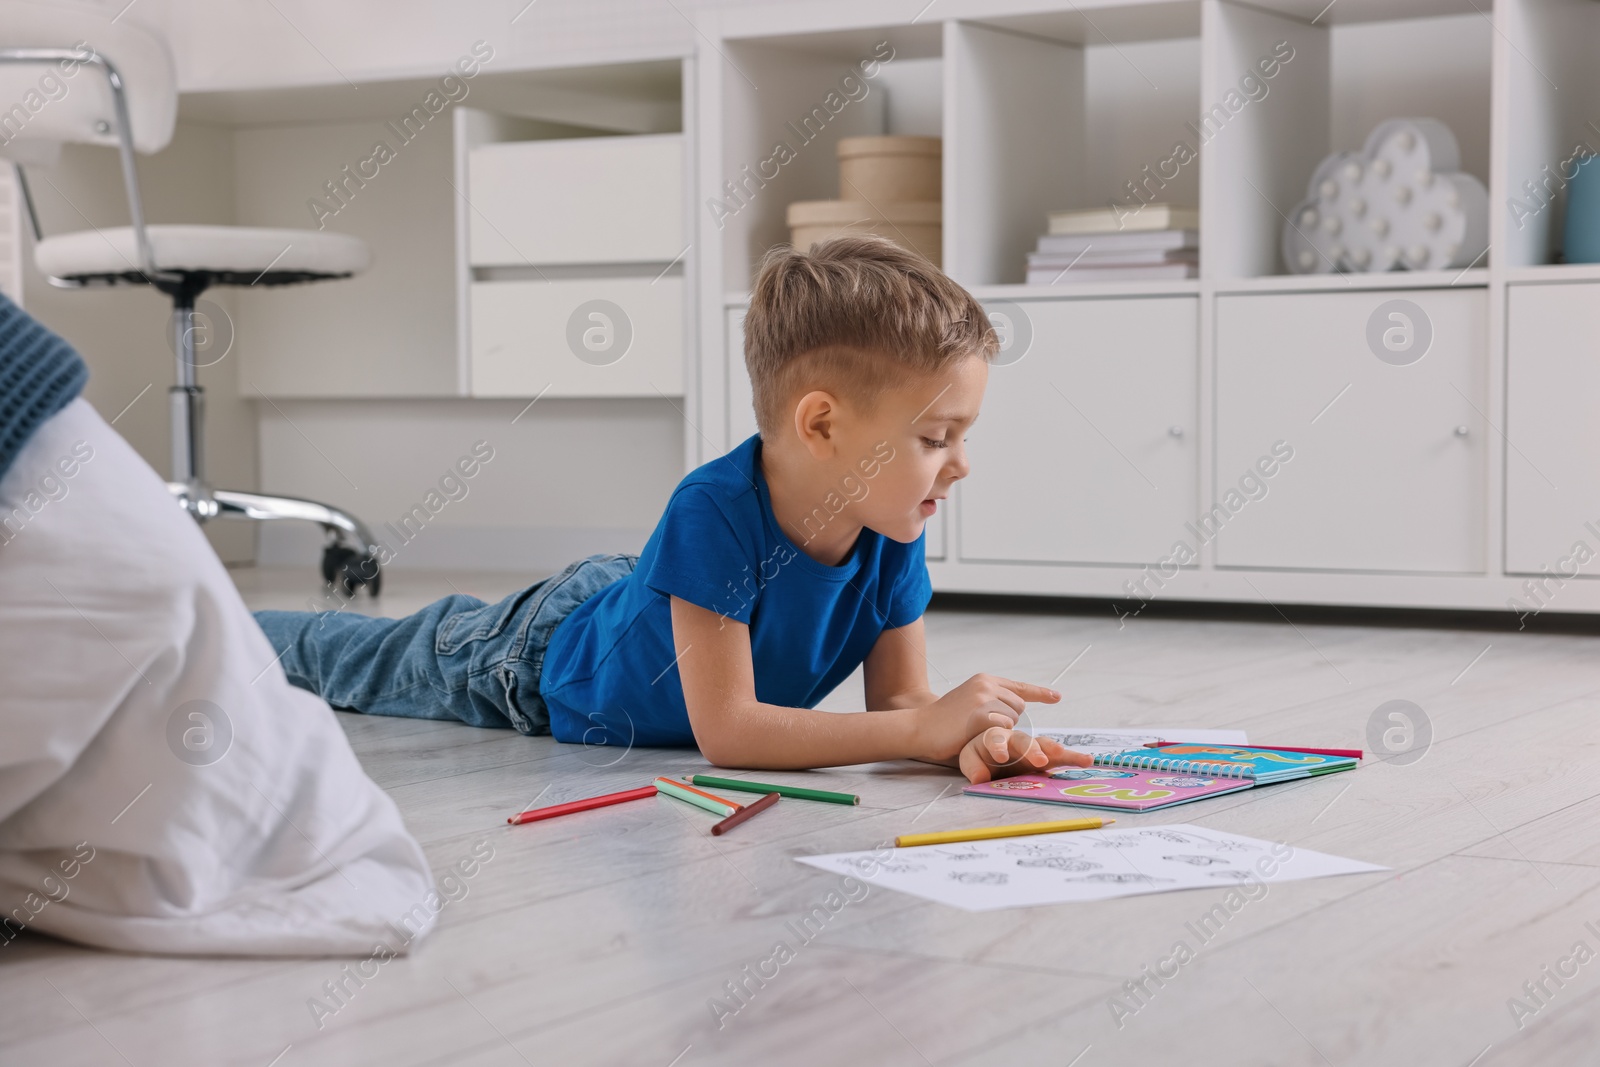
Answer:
(590, 200)
(579, 337)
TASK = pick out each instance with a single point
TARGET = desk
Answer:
(601, 938)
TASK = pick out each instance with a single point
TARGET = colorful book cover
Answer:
(1114, 790)
(1260, 765)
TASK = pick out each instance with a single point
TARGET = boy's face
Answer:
(924, 422)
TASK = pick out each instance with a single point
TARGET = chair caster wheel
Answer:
(345, 568)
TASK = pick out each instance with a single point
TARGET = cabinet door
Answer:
(1379, 395)
(578, 337)
(1553, 462)
(1084, 451)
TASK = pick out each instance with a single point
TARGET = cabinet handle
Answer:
(1461, 431)
(1175, 431)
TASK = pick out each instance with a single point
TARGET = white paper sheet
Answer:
(1105, 742)
(1080, 865)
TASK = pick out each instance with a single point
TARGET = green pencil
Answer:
(798, 792)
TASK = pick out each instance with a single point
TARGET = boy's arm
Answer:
(734, 729)
(897, 677)
(897, 670)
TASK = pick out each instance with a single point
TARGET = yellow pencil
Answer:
(1015, 830)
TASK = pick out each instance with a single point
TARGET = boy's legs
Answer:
(386, 666)
(458, 658)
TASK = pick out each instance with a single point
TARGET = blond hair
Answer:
(852, 316)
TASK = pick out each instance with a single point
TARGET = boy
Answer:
(776, 570)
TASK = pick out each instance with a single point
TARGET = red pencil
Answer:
(745, 812)
(1352, 752)
(582, 805)
(1355, 753)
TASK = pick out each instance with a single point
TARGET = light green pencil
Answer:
(694, 796)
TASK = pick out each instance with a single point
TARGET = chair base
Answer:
(350, 557)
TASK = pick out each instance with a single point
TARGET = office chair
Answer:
(68, 75)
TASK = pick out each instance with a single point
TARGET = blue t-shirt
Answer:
(610, 675)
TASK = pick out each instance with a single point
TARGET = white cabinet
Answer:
(589, 200)
(1553, 461)
(566, 241)
(1084, 451)
(578, 337)
(1379, 395)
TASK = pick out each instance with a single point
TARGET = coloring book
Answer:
(1110, 788)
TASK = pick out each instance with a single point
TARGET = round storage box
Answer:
(884, 169)
(914, 225)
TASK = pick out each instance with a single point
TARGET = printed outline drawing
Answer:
(980, 877)
(1060, 863)
(1196, 861)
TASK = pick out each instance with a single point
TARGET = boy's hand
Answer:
(985, 700)
(999, 752)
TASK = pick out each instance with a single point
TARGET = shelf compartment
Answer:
(1341, 82)
(1068, 115)
(1550, 44)
(779, 144)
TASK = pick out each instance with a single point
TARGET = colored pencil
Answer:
(1354, 753)
(745, 812)
(553, 810)
(795, 791)
(700, 799)
(1020, 829)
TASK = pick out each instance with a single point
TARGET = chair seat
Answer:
(290, 255)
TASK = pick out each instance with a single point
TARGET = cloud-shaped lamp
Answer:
(1402, 202)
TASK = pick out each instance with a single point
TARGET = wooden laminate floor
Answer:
(607, 938)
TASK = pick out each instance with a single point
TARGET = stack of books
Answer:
(1158, 242)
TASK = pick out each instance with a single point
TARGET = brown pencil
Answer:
(745, 812)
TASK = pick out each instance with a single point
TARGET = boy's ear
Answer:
(816, 421)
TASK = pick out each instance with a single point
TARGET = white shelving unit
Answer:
(1445, 481)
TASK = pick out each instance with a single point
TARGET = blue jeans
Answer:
(458, 658)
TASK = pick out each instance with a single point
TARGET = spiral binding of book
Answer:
(1167, 763)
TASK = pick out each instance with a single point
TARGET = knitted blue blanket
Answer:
(39, 375)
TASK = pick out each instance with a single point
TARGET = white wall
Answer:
(568, 478)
